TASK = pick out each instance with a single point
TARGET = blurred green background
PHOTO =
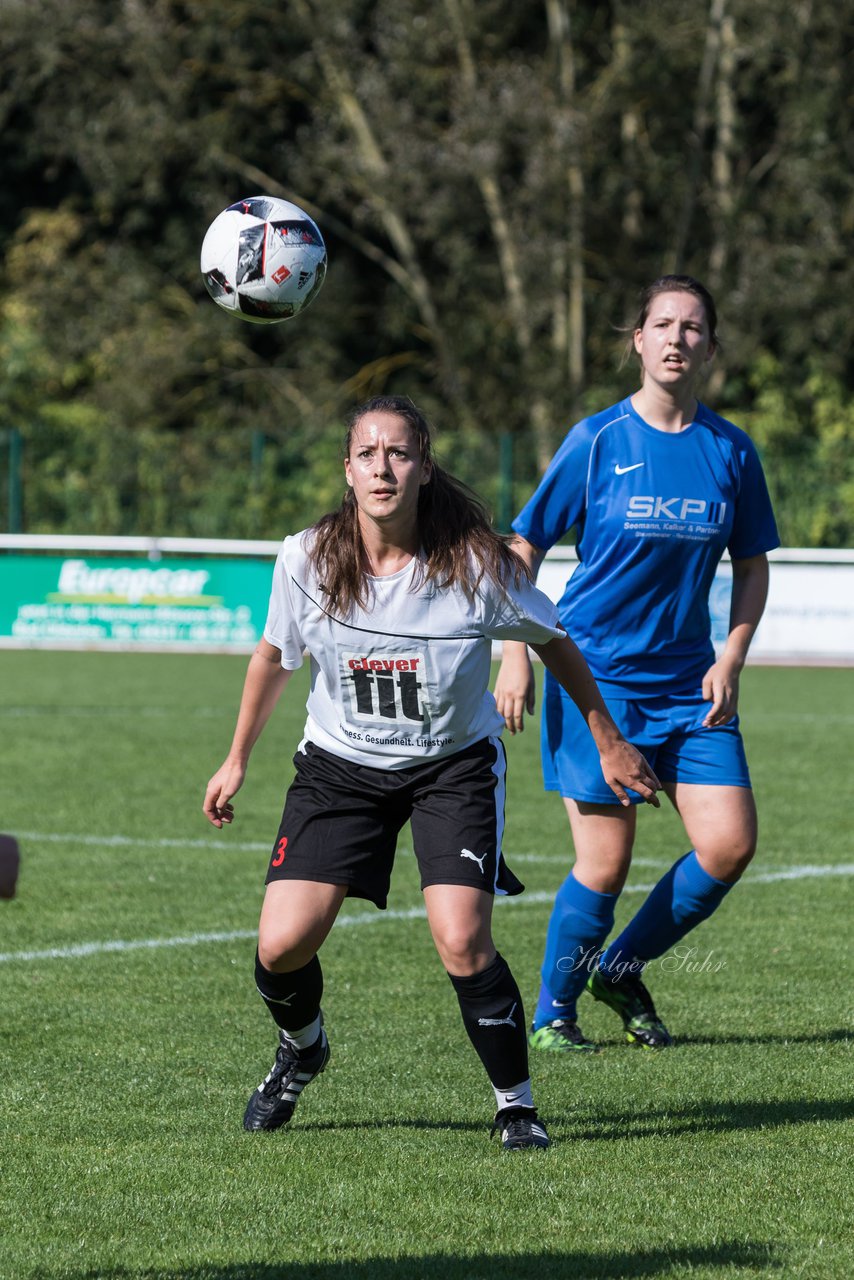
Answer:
(495, 182)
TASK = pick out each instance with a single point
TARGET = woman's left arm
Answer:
(749, 593)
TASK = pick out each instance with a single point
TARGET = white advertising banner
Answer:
(809, 617)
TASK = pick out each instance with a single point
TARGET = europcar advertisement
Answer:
(69, 600)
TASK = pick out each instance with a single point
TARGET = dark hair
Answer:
(458, 541)
(672, 284)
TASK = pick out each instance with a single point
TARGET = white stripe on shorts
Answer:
(500, 771)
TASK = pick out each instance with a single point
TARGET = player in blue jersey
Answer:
(657, 487)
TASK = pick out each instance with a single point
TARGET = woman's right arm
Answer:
(515, 688)
(265, 680)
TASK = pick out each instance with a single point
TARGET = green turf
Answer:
(125, 1072)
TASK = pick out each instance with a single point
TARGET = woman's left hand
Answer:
(720, 687)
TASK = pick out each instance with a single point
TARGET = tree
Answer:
(495, 182)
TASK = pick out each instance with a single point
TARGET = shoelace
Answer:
(280, 1066)
(513, 1126)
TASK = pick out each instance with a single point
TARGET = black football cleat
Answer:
(273, 1102)
(520, 1130)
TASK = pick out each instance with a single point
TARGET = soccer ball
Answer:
(263, 259)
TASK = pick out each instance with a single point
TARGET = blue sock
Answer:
(580, 922)
(683, 897)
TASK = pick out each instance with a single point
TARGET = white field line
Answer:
(31, 711)
(368, 917)
(128, 711)
(226, 843)
(134, 842)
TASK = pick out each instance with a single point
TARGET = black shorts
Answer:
(341, 822)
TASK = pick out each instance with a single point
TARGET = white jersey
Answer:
(408, 678)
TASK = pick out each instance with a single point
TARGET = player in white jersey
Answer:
(397, 596)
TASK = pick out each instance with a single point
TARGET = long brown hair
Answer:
(459, 545)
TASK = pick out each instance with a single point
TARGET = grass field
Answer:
(132, 1034)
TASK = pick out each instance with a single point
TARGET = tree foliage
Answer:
(495, 182)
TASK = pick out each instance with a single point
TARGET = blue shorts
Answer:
(668, 730)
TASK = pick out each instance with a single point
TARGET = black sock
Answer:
(292, 998)
(493, 1016)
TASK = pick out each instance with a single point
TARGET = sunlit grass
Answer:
(125, 1071)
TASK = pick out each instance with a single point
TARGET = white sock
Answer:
(518, 1096)
(304, 1037)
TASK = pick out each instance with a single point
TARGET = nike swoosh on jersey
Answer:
(621, 471)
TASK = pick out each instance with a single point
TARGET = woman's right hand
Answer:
(515, 687)
(624, 766)
(225, 783)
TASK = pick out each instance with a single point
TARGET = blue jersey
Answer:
(654, 512)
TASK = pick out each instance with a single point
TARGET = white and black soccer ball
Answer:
(263, 259)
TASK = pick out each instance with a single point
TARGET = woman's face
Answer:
(675, 341)
(384, 467)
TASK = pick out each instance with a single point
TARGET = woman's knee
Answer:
(464, 950)
(602, 877)
(295, 919)
(727, 853)
(281, 953)
(460, 923)
(602, 870)
(727, 858)
(722, 825)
